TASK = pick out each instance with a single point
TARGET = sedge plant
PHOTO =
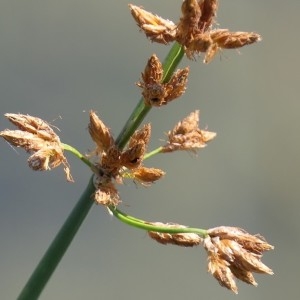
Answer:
(232, 252)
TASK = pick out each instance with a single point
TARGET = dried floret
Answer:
(100, 133)
(147, 175)
(179, 239)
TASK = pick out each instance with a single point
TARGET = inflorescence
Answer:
(232, 252)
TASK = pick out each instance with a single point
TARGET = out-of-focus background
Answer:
(60, 59)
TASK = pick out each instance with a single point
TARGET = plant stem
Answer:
(57, 249)
(63, 239)
(132, 221)
(78, 154)
(152, 153)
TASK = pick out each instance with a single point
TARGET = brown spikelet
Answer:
(177, 85)
(26, 140)
(187, 27)
(34, 125)
(100, 133)
(156, 28)
(147, 175)
(179, 239)
(153, 72)
(133, 157)
(141, 134)
(220, 270)
(231, 40)
(153, 90)
(208, 9)
(111, 161)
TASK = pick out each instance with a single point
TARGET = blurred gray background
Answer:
(59, 59)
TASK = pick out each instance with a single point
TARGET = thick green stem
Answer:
(57, 249)
(60, 244)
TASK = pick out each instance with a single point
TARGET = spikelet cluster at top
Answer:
(194, 30)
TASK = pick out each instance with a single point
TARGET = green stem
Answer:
(57, 249)
(132, 221)
(63, 239)
(78, 154)
(152, 153)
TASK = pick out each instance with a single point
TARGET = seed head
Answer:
(37, 137)
(234, 253)
(114, 164)
(186, 135)
(194, 29)
(155, 92)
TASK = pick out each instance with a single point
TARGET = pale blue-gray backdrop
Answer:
(59, 59)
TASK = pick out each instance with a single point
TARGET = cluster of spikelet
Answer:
(194, 30)
(232, 252)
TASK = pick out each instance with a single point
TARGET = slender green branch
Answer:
(132, 221)
(78, 154)
(152, 153)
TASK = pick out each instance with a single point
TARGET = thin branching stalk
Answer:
(78, 154)
(132, 221)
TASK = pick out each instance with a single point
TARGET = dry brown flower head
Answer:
(114, 164)
(186, 135)
(155, 92)
(234, 253)
(37, 137)
(194, 29)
